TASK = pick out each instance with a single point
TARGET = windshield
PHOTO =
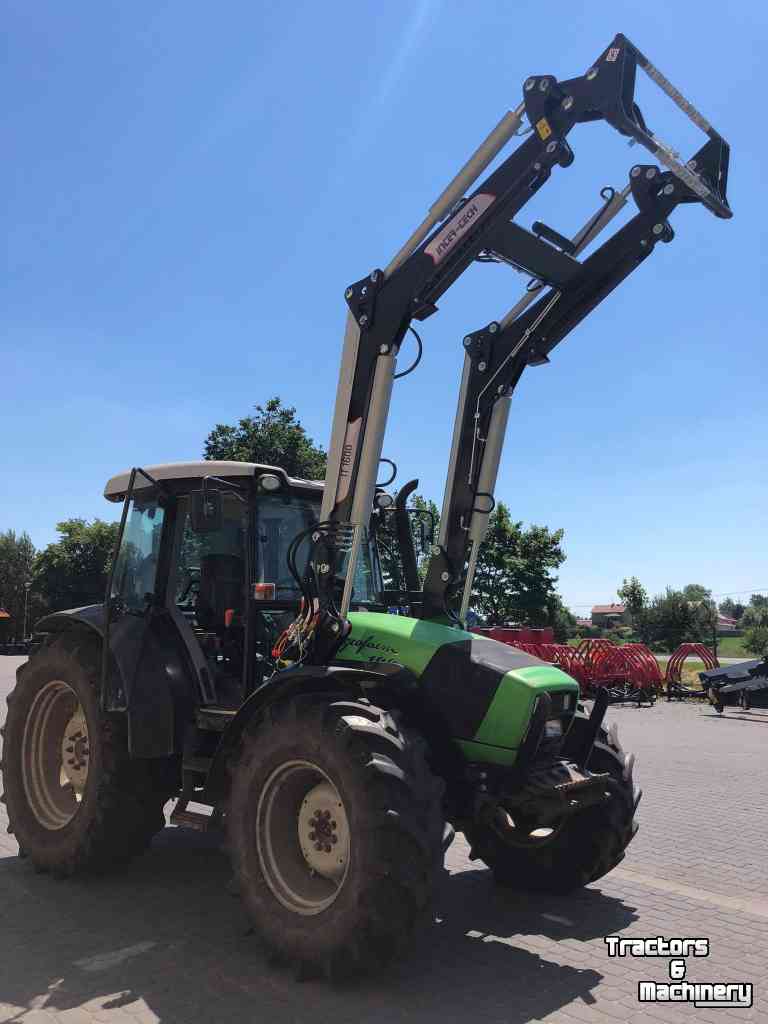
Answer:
(399, 548)
(279, 519)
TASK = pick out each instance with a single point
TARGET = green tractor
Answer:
(247, 662)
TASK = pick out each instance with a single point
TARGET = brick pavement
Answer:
(161, 941)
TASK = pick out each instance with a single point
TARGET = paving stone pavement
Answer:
(162, 940)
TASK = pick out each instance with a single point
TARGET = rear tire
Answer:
(373, 881)
(586, 847)
(76, 801)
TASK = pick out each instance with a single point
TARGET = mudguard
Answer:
(149, 676)
(303, 679)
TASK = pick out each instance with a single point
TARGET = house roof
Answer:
(609, 609)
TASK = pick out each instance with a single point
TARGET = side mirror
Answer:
(206, 511)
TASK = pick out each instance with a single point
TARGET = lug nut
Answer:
(313, 836)
(333, 824)
(327, 847)
(334, 839)
(318, 846)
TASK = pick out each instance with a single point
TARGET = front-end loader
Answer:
(244, 659)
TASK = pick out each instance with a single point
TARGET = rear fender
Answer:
(153, 685)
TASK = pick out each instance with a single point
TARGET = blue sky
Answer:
(187, 189)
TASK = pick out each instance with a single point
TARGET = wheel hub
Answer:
(324, 831)
(75, 753)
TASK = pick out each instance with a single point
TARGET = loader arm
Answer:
(497, 355)
(383, 304)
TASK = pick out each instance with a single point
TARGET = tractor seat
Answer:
(222, 582)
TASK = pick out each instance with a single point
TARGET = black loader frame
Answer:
(562, 292)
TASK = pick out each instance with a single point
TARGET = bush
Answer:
(756, 641)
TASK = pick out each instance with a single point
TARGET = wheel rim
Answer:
(55, 755)
(303, 837)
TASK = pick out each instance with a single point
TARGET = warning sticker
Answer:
(542, 127)
(613, 54)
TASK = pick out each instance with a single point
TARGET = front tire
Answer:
(587, 846)
(76, 801)
(335, 828)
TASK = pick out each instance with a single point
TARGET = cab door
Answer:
(134, 604)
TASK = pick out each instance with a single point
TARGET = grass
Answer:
(732, 647)
(689, 675)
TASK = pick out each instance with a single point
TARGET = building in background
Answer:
(607, 615)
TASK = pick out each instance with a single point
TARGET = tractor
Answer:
(257, 661)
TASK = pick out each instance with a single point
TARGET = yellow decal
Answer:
(542, 127)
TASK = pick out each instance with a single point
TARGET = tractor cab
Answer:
(203, 554)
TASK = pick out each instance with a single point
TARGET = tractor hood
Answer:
(483, 690)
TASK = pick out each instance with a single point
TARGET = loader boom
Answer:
(563, 290)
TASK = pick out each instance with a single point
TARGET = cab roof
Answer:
(193, 473)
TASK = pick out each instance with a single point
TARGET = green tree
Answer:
(273, 437)
(17, 554)
(696, 592)
(671, 619)
(756, 612)
(754, 615)
(73, 571)
(634, 595)
(514, 580)
(756, 640)
(563, 622)
(733, 609)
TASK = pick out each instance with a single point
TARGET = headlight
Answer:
(553, 728)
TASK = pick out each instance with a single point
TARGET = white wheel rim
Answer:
(55, 755)
(303, 837)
